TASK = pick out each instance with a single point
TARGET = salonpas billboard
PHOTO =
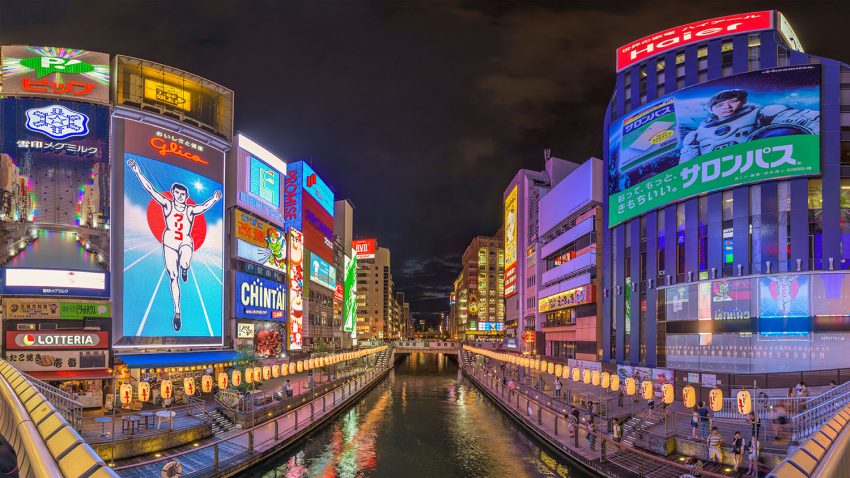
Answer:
(740, 129)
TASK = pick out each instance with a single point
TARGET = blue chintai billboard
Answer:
(723, 133)
(259, 299)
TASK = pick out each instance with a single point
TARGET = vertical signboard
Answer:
(350, 308)
(510, 242)
(306, 212)
(296, 289)
(66, 73)
(54, 197)
(173, 238)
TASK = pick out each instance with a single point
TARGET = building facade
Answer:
(523, 324)
(725, 245)
(479, 311)
(569, 230)
(374, 293)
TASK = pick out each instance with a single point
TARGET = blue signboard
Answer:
(321, 272)
(317, 188)
(259, 299)
(264, 181)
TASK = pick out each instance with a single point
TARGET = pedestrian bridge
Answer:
(426, 346)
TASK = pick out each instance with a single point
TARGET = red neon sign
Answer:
(677, 37)
(171, 147)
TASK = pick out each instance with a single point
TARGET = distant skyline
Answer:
(419, 113)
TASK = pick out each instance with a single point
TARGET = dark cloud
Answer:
(419, 112)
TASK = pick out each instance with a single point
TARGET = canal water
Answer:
(424, 420)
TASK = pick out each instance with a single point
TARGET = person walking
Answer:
(752, 456)
(591, 434)
(715, 441)
(694, 423)
(557, 387)
(755, 425)
(737, 450)
(618, 433)
(704, 420)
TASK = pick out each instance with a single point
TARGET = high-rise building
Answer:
(726, 233)
(569, 228)
(374, 291)
(343, 230)
(523, 324)
(479, 310)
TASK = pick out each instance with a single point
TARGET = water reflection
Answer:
(422, 421)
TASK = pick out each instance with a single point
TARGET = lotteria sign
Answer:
(677, 37)
(258, 298)
(17, 340)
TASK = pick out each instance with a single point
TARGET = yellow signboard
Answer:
(168, 94)
(31, 308)
(569, 298)
(511, 224)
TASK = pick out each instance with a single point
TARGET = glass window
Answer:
(816, 223)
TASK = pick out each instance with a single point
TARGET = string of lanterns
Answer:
(234, 379)
(611, 382)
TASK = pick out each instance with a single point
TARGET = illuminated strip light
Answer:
(261, 153)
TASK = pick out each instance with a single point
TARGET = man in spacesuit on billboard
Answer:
(733, 121)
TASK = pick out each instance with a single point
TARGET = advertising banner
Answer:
(264, 272)
(365, 248)
(732, 299)
(55, 339)
(296, 289)
(339, 292)
(510, 242)
(317, 188)
(322, 272)
(701, 31)
(259, 241)
(784, 296)
(67, 73)
(85, 310)
(349, 318)
(53, 360)
(304, 213)
(268, 342)
(831, 295)
(318, 229)
(259, 175)
(245, 330)
(259, 299)
(569, 298)
(173, 237)
(727, 132)
(30, 309)
(54, 210)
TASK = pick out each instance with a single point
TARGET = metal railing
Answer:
(63, 401)
(241, 449)
(812, 418)
(27, 420)
(605, 456)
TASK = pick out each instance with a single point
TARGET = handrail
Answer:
(65, 402)
(808, 421)
(825, 454)
(372, 374)
(45, 444)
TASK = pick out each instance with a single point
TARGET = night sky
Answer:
(418, 112)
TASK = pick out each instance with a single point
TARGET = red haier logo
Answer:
(646, 47)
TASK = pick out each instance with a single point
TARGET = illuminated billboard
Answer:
(701, 31)
(259, 175)
(54, 206)
(296, 289)
(365, 248)
(784, 296)
(510, 241)
(322, 272)
(349, 310)
(304, 213)
(66, 73)
(722, 133)
(317, 188)
(568, 298)
(153, 86)
(259, 299)
(259, 241)
(173, 238)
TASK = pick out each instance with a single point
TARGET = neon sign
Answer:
(164, 148)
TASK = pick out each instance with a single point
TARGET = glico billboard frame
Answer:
(158, 154)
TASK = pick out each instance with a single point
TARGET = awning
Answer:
(60, 375)
(179, 359)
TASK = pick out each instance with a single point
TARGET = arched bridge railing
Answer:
(436, 346)
(45, 444)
